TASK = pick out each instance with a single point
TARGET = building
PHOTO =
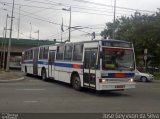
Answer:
(17, 46)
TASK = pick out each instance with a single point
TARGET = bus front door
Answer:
(51, 64)
(89, 71)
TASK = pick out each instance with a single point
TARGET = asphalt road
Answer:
(36, 96)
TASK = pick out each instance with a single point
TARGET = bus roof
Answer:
(96, 40)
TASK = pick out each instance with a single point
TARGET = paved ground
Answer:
(12, 75)
(34, 95)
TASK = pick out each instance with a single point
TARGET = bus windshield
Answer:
(117, 59)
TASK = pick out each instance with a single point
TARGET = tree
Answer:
(140, 29)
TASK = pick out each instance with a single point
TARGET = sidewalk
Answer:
(11, 76)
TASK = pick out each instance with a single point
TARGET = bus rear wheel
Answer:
(44, 75)
(76, 83)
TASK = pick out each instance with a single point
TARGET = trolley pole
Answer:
(9, 43)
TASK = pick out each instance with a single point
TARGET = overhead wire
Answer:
(49, 21)
(100, 4)
(96, 13)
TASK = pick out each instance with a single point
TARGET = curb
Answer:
(12, 80)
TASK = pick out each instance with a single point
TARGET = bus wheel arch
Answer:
(76, 81)
(44, 74)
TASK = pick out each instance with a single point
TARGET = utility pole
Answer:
(114, 19)
(2, 45)
(38, 36)
(4, 48)
(69, 39)
(70, 26)
(10, 36)
(19, 22)
(62, 30)
(31, 31)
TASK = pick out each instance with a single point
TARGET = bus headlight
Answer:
(131, 80)
(102, 80)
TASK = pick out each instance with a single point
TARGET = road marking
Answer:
(31, 89)
(30, 101)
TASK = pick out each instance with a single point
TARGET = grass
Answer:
(157, 76)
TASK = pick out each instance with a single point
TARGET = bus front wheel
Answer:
(76, 82)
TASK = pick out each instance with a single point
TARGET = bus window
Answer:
(90, 59)
(51, 57)
(117, 59)
(93, 58)
(78, 52)
(68, 52)
(60, 50)
(43, 53)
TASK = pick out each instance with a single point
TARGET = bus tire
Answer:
(76, 82)
(44, 74)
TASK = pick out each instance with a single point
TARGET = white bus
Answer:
(98, 64)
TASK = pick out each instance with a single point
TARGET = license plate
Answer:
(120, 86)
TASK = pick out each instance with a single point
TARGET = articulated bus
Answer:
(99, 64)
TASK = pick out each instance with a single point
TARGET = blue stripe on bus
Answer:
(56, 64)
(67, 65)
(28, 62)
(63, 65)
(39, 62)
(128, 75)
(43, 62)
(113, 75)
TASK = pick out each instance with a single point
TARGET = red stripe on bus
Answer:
(77, 66)
(119, 75)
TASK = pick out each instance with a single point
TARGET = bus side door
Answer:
(89, 71)
(51, 63)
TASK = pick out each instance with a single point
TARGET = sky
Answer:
(87, 16)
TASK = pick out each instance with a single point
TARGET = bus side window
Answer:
(68, 52)
(43, 53)
(78, 52)
(60, 50)
(51, 57)
(93, 59)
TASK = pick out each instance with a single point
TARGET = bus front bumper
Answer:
(119, 86)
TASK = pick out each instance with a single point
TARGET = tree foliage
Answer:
(142, 30)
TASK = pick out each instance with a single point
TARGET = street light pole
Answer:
(30, 31)
(114, 18)
(19, 22)
(4, 47)
(38, 36)
(70, 26)
(69, 39)
(10, 36)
